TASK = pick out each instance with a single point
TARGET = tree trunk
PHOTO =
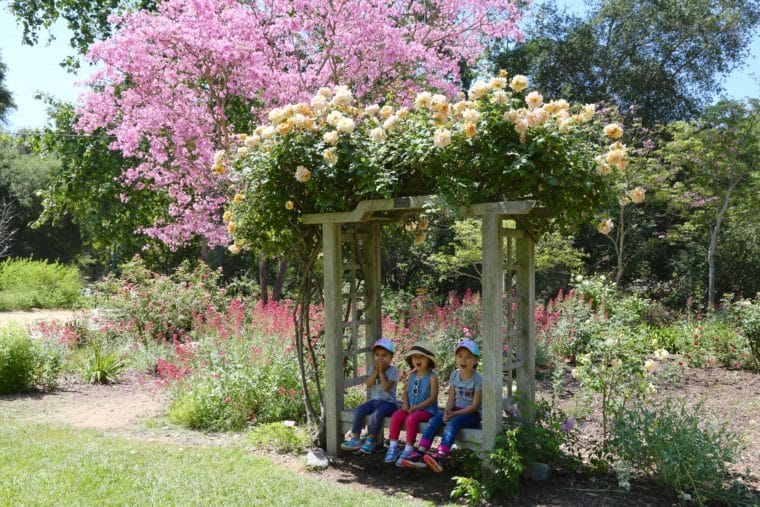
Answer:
(620, 246)
(279, 280)
(713, 248)
(263, 279)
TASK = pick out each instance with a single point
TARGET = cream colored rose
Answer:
(442, 138)
(302, 174)
(267, 132)
(277, 116)
(390, 123)
(534, 100)
(345, 125)
(372, 109)
(410, 226)
(469, 129)
(478, 90)
(377, 134)
(519, 83)
(521, 126)
(605, 226)
(227, 217)
(386, 112)
(637, 195)
(613, 131)
(471, 115)
(252, 140)
(343, 96)
(298, 119)
(330, 156)
(334, 117)
(285, 127)
(289, 205)
(330, 137)
(423, 99)
(617, 158)
(587, 113)
(242, 151)
(499, 97)
(542, 115)
(564, 125)
(498, 83)
(324, 92)
(602, 167)
(319, 102)
(231, 227)
(234, 249)
(512, 115)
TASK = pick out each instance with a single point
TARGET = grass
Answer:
(48, 465)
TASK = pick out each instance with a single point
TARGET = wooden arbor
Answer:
(353, 320)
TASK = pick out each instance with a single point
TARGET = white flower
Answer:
(587, 113)
(319, 102)
(613, 131)
(345, 125)
(252, 140)
(479, 89)
(519, 83)
(334, 117)
(330, 137)
(605, 226)
(564, 125)
(534, 100)
(471, 115)
(498, 83)
(298, 120)
(390, 123)
(650, 366)
(637, 195)
(277, 116)
(661, 354)
(330, 156)
(242, 151)
(499, 97)
(372, 109)
(423, 99)
(302, 174)
(651, 389)
(377, 134)
(267, 132)
(342, 96)
(442, 138)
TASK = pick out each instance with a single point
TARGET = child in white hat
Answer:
(419, 404)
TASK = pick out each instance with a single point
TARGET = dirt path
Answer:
(37, 315)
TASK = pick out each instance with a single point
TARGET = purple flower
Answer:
(568, 425)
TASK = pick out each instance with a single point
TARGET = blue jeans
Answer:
(455, 424)
(378, 409)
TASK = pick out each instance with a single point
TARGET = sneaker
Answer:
(368, 447)
(435, 460)
(393, 454)
(404, 455)
(351, 444)
(414, 460)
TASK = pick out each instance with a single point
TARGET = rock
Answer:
(317, 460)
(538, 472)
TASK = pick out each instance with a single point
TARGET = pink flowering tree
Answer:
(175, 85)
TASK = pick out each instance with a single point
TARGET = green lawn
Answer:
(47, 465)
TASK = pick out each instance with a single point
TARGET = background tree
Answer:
(6, 98)
(663, 57)
(717, 161)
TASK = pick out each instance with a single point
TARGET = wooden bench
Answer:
(468, 438)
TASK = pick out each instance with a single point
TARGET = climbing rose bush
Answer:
(502, 143)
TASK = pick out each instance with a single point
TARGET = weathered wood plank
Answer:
(333, 309)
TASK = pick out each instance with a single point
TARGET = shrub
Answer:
(281, 437)
(747, 315)
(101, 366)
(25, 363)
(669, 443)
(26, 283)
(17, 360)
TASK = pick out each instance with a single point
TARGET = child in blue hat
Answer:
(381, 383)
(462, 410)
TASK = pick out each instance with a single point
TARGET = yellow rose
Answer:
(285, 127)
(302, 174)
(330, 156)
(386, 111)
(377, 134)
(534, 100)
(519, 83)
(469, 129)
(587, 113)
(503, 73)
(330, 137)
(499, 83)
(277, 116)
(613, 131)
(410, 226)
(227, 217)
(637, 195)
(499, 97)
(605, 226)
(231, 227)
(423, 99)
(289, 205)
(238, 198)
(478, 90)
(218, 168)
(252, 140)
(419, 238)
(234, 249)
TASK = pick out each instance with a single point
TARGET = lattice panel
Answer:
(354, 298)
(512, 299)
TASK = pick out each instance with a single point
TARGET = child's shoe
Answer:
(414, 460)
(351, 444)
(435, 460)
(404, 455)
(368, 447)
(392, 454)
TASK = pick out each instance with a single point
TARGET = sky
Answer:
(37, 69)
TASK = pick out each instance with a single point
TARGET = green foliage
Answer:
(26, 363)
(670, 444)
(26, 283)
(17, 360)
(101, 366)
(6, 98)
(662, 58)
(279, 437)
(746, 313)
(159, 307)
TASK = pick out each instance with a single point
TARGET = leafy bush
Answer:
(25, 363)
(669, 443)
(151, 306)
(282, 437)
(17, 360)
(26, 283)
(747, 315)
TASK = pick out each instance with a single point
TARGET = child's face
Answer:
(465, 360)
(420, 362)
(383, 356)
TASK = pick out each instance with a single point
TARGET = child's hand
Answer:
(405, 407)
(446, 415)
(379, 365)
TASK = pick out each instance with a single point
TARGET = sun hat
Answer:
(421, 348)
(384, 343)
(469, 345)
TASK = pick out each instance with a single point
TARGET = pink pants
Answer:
(413, 419)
